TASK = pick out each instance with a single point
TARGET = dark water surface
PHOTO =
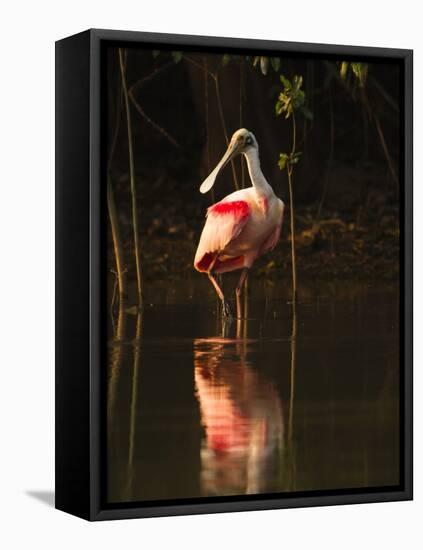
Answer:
(278, 402)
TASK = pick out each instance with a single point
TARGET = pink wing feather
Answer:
(225, 221)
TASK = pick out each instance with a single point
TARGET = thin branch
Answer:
(149, 77)
(294, 133)
(215, 78)
(199, 66)
(111, 207)
(117, 127)
(241, 121)
(115, 286)
(117, 242)
(156, 126)
(132, 179)
(293, 256)
(387, 97)
(385, 149)
(225, 131)
(371, 115)
(206, 116)
(381, 135)
(292, 215)
(206, 113)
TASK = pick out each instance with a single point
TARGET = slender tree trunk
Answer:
(111, 207)
(117, 243)
(292, 215)
(132, 180)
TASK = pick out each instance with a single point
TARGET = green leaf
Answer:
(286, 159)
(177, 56)
(264, 65)
(292, 98)
(283, 160)
(343, 70)
(285, 82)
(278, 108)
(293, 159)
(360, 72)
(297, 82)
(276, 63)
(226, 58)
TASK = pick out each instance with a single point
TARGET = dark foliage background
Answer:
(346, 182)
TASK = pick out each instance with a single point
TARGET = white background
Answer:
(27, 37)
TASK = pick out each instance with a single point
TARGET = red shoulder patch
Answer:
(240, 209)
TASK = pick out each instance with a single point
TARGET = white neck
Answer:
(257, 178)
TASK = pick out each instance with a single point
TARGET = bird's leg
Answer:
(225, 305)
(241, 282)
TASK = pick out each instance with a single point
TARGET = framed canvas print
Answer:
(233, 274)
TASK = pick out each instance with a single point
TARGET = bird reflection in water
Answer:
(241, 413)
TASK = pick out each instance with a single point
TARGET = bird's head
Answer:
(242, 141)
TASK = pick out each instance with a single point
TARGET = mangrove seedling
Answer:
(291, 100)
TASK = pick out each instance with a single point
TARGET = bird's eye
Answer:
(249, 141)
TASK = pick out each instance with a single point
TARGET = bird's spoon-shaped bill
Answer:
(232, 150)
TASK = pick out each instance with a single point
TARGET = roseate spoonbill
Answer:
(242, 226)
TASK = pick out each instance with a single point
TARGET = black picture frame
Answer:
(79, 229)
